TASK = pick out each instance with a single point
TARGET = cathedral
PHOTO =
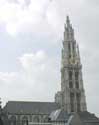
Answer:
(70, 106)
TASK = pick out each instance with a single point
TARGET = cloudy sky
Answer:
(31, 33)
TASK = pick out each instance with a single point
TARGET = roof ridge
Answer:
(30, 102)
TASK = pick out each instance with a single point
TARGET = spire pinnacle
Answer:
(69, 31)
(78, 53)
(68, 21)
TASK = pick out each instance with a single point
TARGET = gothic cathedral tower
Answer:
(72, 94)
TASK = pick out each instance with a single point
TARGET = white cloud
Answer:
(18, 15)
(52, 13)
(32, 62)
(37, 74)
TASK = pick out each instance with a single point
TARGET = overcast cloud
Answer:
(31, 33)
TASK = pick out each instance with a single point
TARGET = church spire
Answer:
(72, 95)
(69, 31)
(68, 21)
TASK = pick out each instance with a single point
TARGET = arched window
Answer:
(69, 49)
(72, 101)
(73, 45)
(70, 84)
(77, 84)
(25, 120)
(13, 120)
(70, 75)
(46, 119)
(1, 122)
(76, 75)
(36, 119)
(78, 101)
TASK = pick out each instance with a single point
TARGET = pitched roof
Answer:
(88, 118)
(60, 115)
(20, 107)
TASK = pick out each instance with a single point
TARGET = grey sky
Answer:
(31, 33)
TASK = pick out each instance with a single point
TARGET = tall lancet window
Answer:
(72, 101)
(78, 101)
(70, 75)
(77, 84)
(73, 46)
(69, 50)
(70, 84)
(76, 75)
(70, 79)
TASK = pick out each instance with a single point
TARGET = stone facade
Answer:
(19, 112)
(72, 94)
(33, 118)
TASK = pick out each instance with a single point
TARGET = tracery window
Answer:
(46, 119)
(13, 120)
(36, 119)
(25, 120)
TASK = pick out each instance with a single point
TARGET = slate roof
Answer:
(60, 115)
(88, 118)
(20, 107)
